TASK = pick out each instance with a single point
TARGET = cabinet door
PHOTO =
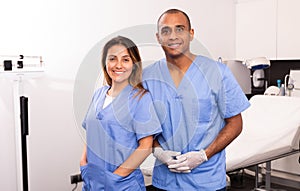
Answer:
(288, 35)
(256, 29)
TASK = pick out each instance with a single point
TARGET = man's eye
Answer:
(165, 31)
(179, 29)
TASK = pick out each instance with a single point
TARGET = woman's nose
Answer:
(118, 64)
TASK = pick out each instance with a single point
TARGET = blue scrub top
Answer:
(112, 136)
(192, 115)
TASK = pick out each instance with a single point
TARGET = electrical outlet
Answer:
(76, 178)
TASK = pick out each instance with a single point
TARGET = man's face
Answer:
(174, 34)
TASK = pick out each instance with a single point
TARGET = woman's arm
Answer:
(136, 158)
(83, 160)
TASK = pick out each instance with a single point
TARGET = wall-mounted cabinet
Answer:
(268, 28)
(255, 29)
(288, 29)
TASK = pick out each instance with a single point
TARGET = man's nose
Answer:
(173, 34)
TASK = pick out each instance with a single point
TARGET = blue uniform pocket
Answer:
(93, 177)
(127, 183)
(83, 171)
(203, 110)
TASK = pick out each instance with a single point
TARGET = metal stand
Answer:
(256, 176)
(268, 175)
(267, 178)
(17, 84)
(19, 68)
(21, 131)
(24, 133)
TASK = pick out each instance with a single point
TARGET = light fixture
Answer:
(258, 65)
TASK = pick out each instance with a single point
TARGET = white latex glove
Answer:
(166, 156)
(192, 160)
(179, 171)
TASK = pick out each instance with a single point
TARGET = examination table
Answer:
(271, 130)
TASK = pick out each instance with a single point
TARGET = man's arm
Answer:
(232, 129)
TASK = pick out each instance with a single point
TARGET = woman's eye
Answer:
(126, 60)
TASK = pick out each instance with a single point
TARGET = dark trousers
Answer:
(157, 189)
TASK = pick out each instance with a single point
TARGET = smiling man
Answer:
(199, 105)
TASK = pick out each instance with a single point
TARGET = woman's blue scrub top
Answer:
(112, 136)
(192, 115)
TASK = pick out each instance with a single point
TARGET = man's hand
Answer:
(191, 160)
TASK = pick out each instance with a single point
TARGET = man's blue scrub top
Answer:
(192, 115)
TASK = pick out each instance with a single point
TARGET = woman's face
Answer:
(118, 64)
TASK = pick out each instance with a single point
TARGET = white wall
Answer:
(64, 33)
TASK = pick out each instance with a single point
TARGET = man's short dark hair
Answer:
(172, 11)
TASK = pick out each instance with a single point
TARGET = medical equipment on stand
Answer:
(17, 69)
(241, 73)
(258, 65)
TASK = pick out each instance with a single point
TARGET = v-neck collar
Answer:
(187, 75)
(122, 95)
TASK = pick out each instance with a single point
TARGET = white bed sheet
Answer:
(271, 127)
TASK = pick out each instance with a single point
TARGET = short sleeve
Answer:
(83, 124)
(146, 121)
(232, 95)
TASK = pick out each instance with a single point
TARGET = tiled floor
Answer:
(247, 183)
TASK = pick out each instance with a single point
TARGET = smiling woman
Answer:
(118, 67)
(119, 126)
